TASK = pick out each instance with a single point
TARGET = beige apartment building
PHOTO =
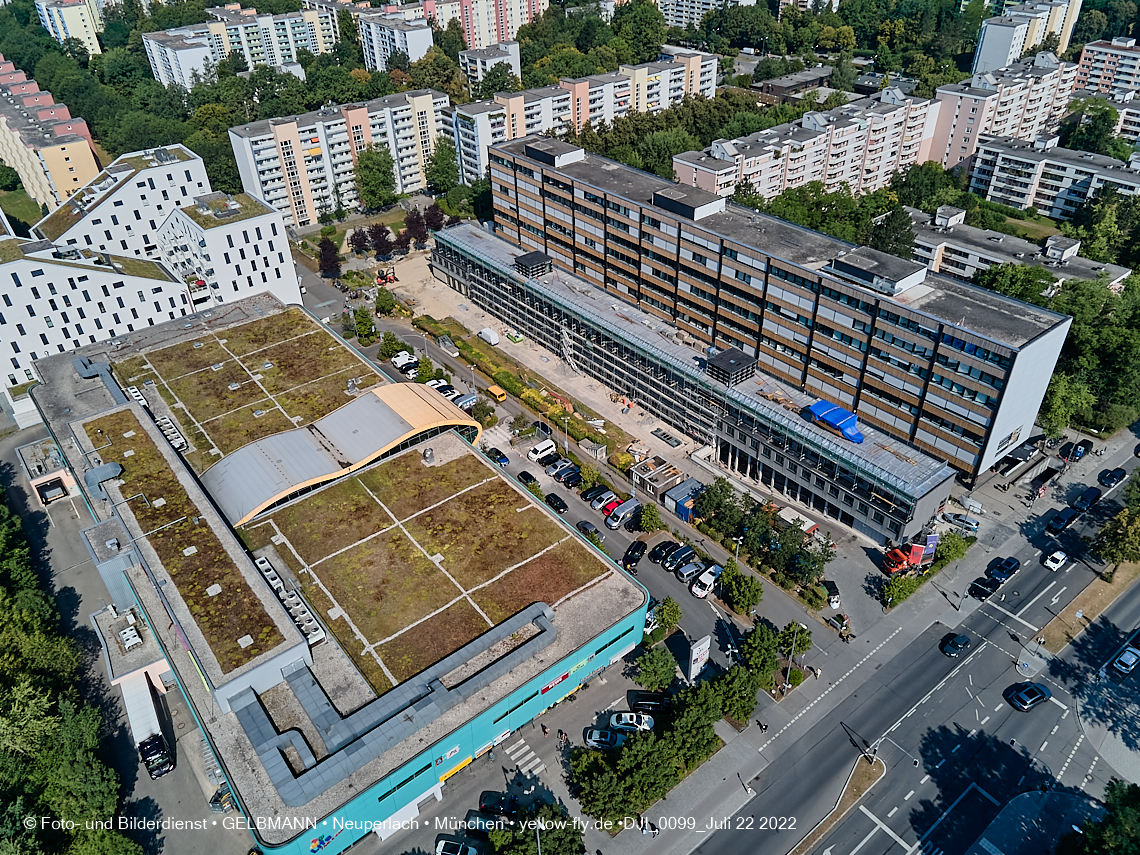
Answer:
(72, 19)
(39, 139)
(303, 165)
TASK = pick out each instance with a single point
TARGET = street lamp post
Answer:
(795, 636)
(566, 431)
(472, 366)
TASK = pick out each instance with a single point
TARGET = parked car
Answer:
(1126, 661)
(1111, 479)
(688, 572)
(1006, 569)
(662, 550)
(603, 499)
(703, 585)
(480, 825)
(962, 521)
(1086, 499)
(630, 721)
(499, 804)
(651, 616)
(565, 472)
(447, 391)
(1066, 451)
(402, 358)
(610, 506)
(1026, 696)
(648, 702)
(600, 737)
(435, 384)
(633, 556)
(1081, 449)
(555, 502)
(558, 465)
(454, 847)
(1061, 520)
(955, 645)
(497, 456)
(592, 493)
(587, 528)
(983, 588)
(526, 479)
(678, 558)
(573, 481)
(1056, 561)
(546, 459)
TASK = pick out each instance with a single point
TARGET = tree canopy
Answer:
(375, 177)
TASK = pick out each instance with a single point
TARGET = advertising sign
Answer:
(698, 656)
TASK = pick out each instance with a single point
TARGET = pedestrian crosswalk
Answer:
(524, 758)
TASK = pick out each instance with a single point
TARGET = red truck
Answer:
(911, 556)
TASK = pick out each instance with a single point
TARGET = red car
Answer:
(608, 509)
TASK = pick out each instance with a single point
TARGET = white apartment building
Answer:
(382, 35)
(1001, 42)
(1107, 66)
(861, 144)
(475, 63)
(1024, 100)
(484, 22)
(682, 13)
(1041, 175)
(303, 165)
(185, 55)
(474, 127)
(1004, 38)
(72, 19)
(948, 246)
(122, 208)
(228, 247)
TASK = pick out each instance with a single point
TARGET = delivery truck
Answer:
(138, 700)
(910, 556)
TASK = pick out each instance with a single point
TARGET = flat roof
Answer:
(219, 209)
(880, 458)
(803, 247)
(331, 114)
(267, 470)
(1028, 150)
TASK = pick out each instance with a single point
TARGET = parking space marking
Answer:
(886, 828)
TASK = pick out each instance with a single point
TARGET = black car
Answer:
(1061, 520)
(1006, 569)
(652, 703)
(562, 474)
(983, 588)
(498, 804)
(633, 556)
(547, 459)
(663, 550)
(679, 558)
(1081, 449)
(1111, 479)
(497, 456)
(955, 645)
(555, 502)
(526, 479)
(573, 480)
(593, 492)
(1066, 451)
(1025, 696)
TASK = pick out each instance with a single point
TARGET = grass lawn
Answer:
(437, 637)
(224, 619)
(185, 358)
(407, 484)
(241, 427)
(207, 393)
(1034, 230)
(481, 533)
(19, 206)
(331, 519)
(547, 578)
(261, 333)
(321, 397)
(301, 360)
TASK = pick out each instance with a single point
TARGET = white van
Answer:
(542, 449)
(622, 513)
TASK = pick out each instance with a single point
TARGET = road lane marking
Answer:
(863, 842)
(940, 762)
(1008, 613)
(984, 720)
(946, 813)
(1056, 727)
(1058, 703)
(1057, 596)
(925, 778)
(894, 810)
(1088, 774)
(1038, 597)
(1043, 744)
(956, 747)
(997, 708)
(886, 828)
(906, 798)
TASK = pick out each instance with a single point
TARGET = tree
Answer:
(693, 737)
(398, 61)
(434, 217)
(650, 519)
(365, 328)
(641, 27)
(1131, 497)
(759, 652)
(898, 588)
(668, 613)
(385, 302)
(442, 173)
(381, 240)
(560, 836)
(843, 76)
(1022, 281)
(499, 78)
(601, 792)
(657, 149)
(484, 413)
(358, 240)
(1119, 540)
(741, 591)
(450, 39)
(646, 768)
(1065, 398)
(951, 547)
(9, 178)
(415, 227)
(1091, 127)
(390, 345)
(436, 70)
(794, 633)
(894, 233)
(1116, 833)
(425, 370)
(375, 177)
(1090, 26)
(655, 669)
(737, 689)
(589, 475)
(403, 241)
(329, 261)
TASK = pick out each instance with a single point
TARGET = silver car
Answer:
(558, 465)
(603, 500)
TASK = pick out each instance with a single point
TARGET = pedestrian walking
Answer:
(763, 727)
(654, 830)
(545, 731)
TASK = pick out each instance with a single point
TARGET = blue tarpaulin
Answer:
(834, 416)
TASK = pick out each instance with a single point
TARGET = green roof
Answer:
(219, 203)
(10, 249)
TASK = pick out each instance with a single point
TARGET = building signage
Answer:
(554, 683)
(698, 656)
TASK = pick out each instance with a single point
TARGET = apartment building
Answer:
(72, 19)
(1040, 174)
(861, 144)
(649, 87)
(185, 55)
(1127, 107)
(954, 370)
(1005, 38)
(484, 22)
(382, 35)
(475, 63)
(684, 13)
(303, 165)
(780, 89)
(50, 150)
(948, 246)
(121, 209)
(1024, 100)
(1108, 66)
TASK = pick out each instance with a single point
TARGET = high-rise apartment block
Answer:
(1000, 43)
(39, 139)
(1040, 174)
(1005, 38)
(474, 128)
(382, 35)
(72, 19)
(484, 22)
(303, 165)
(185, 55)
(1024, 100)
(1108, 66)
(953, 369)
(861, 144)
(476, 62)
(683, 13)
(1127, 107)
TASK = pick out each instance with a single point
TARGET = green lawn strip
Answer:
(410, 653)
(331, 519)
(207, 393)
(241, 427)
(301, 360)
(244, 339)
(407, 484)
(184, 358)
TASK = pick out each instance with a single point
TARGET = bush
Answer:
(328, 231)
(622, 461)
(898, 588)
(742, 591)
(795, 677)
(508, 383)
(669, 613)
(783, 580)
(737, 689)
(815, 597)
(654, 637)
(536, 491)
